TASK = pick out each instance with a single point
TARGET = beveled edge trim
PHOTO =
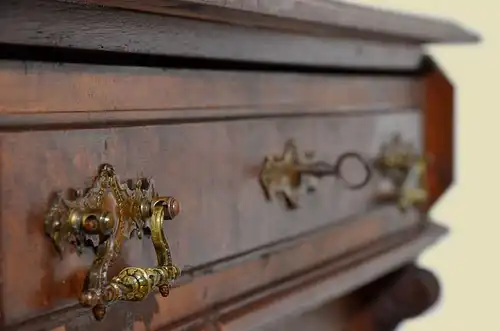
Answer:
(80, 26)
(313, 16)
(37, 94)
(331, 282)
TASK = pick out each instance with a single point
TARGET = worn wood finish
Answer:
(291, 299)
(402, 295)
(195, 94)
(34, 87)
(269, 265)
(76, 26)
(223, 196)
(331, 316)
(379, 306)
(439, 122)
(307, 16)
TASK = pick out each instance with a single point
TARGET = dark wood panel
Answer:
(310, 16)
(34, 87)
(218, 191)
(439, 123)
(77, 26)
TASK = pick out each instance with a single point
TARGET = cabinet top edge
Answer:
(324, 17)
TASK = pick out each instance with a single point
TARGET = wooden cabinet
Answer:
(242, 113)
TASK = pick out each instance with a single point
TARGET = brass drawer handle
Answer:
(405, 170)
(286, 173)
(88, 217)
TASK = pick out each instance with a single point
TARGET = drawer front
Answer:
(211, 168)
(89, 92)
(202, 136)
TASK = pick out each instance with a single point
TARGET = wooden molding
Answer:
(405, 294)
(307, 16)
(94, 94)
(74, 26)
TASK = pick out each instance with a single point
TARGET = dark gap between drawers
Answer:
(114, 58)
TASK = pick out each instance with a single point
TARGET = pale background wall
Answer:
(468, 261)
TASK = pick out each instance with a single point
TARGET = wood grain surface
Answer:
(383, 305)
(293, 301)
(335, 77)
(253, 276)
(283, 306)
(311, 16)
(211, 168)
(70, 25)
(35, 87)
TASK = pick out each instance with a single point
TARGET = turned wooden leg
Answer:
(399, 296)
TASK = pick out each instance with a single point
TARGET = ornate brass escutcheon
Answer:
(289, 173)
(403, 171)
(87, 218)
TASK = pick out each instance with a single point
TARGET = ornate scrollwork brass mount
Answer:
(88, 218)
(405, 172)
(288, 174)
